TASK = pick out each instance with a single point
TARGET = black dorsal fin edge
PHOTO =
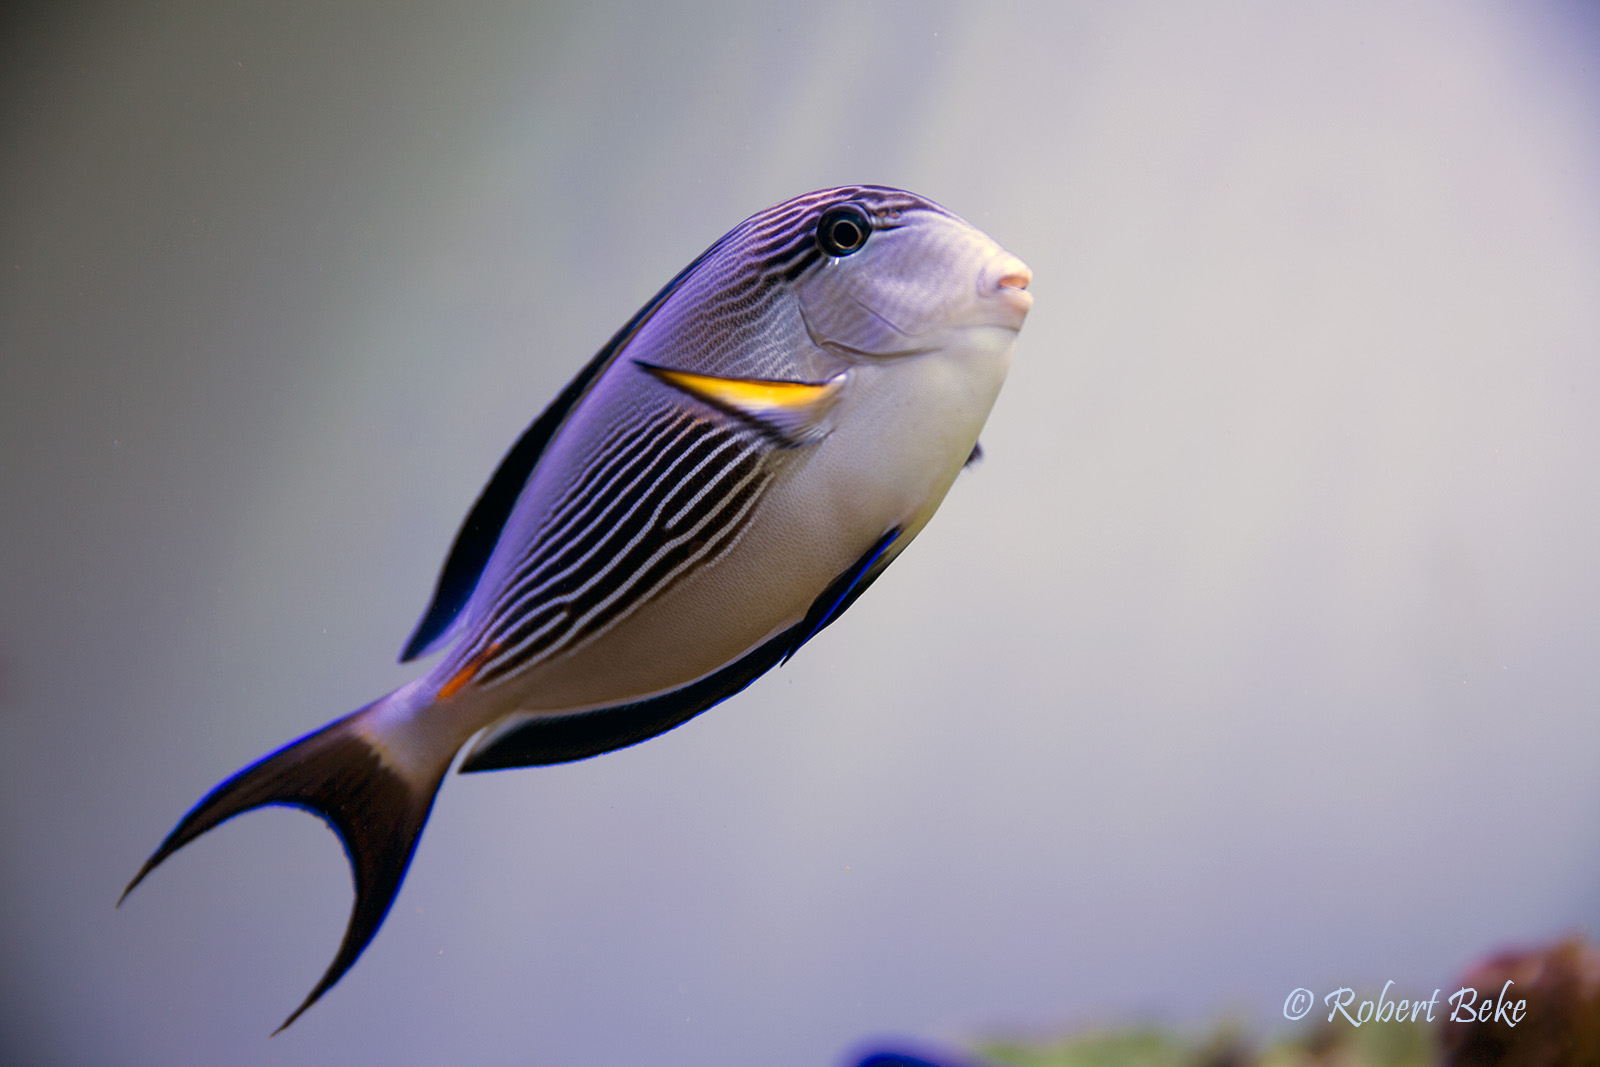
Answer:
(480, 531)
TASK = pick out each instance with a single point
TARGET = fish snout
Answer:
(1005, 278)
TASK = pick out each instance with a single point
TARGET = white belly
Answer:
(901, 435)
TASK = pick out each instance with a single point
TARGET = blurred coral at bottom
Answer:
(1560, 1028)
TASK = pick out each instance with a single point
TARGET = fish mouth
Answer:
(1005, 280)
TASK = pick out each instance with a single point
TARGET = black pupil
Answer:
(842, 231)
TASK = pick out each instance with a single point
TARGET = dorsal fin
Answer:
(481, 530)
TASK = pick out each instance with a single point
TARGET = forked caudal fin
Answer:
(339, 775)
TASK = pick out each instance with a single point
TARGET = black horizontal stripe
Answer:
(608, 598)
(573, 564)
(664, 566)
(624, 553)
(610, 481)
(799, 266)
(611, 451)
(697, 499)
(518, 599)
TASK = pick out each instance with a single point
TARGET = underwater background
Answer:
(1259, 653)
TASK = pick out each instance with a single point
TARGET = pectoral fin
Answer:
(795, 413)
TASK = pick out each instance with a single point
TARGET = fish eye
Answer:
(842, 230)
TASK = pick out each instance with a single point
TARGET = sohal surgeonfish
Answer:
(717, 485)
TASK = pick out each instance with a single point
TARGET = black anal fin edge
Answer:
(540, 742)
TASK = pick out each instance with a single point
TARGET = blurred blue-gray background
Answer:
(1261, 652)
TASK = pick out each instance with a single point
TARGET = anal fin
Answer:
(543, 740)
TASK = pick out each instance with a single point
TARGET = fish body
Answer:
(716, 486)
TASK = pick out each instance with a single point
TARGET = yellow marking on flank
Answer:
(751, 395)
(467, 672)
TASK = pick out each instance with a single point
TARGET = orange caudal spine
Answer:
(468, 671)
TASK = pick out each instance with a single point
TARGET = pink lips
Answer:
(1008, 278)
(1017, 277)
